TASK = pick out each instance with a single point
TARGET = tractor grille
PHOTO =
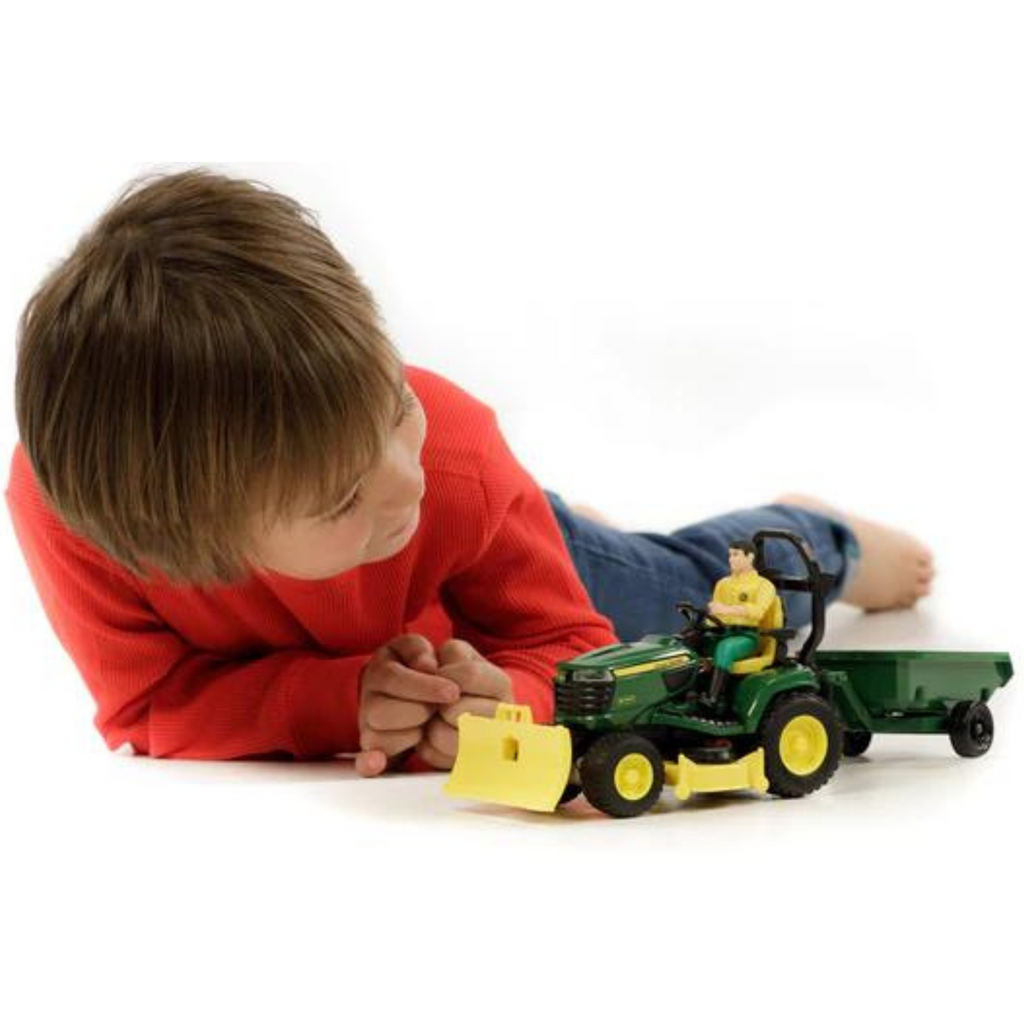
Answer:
(577, 697)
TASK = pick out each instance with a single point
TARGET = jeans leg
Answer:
(636, 578)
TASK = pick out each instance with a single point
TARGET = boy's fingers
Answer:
(371, 762)
(376, 762)
(434, 757)
(474, 705)
(385, 713)
(442, 737)
(454, 650)
(396, 680)
(479, 677)
(414, 650)
(391, 743)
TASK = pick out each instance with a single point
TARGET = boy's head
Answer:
(741, 556)
(204, 377)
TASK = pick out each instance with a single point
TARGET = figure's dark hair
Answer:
(743, 545)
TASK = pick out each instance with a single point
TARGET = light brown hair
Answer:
(203, 362)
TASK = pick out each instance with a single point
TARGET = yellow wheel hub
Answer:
(634, 776)
(803, 745)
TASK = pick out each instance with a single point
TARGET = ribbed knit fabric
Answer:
(272, 665)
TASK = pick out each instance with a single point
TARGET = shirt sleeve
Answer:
(519, 599)
(165, 697)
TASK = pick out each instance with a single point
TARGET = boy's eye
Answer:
(408, 404)
(346, 508)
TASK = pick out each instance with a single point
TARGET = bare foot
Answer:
(591, 513)
(895, 568)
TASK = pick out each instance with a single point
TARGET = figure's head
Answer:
(205, 378)
(741, 556)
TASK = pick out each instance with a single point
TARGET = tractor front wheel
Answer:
(622, 774)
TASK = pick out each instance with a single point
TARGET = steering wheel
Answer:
(695, 616)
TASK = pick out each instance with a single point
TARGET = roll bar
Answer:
(816, 583)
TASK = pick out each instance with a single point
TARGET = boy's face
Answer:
(389, 499)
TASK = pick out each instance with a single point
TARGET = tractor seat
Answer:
(765, 657)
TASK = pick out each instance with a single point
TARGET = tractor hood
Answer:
(647, 651)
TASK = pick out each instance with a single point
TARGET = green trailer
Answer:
(915, 692)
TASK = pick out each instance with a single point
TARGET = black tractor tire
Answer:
(855, 743)
(971, 729)
(608, 788)
(787, 780)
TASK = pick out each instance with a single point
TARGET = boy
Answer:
(246, 536)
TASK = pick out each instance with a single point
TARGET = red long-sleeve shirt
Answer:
(272, 664)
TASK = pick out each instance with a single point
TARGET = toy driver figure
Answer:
(740, 600)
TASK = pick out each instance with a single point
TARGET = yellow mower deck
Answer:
(510, 760)
(689, 777)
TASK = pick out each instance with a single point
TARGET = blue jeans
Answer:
(636, 578)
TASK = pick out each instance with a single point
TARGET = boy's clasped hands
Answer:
(411, 697)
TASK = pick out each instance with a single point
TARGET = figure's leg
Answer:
(728, 651)
(636, 578)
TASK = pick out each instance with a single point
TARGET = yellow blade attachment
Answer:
(509, 760)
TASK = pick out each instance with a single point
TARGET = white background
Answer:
(651, 236)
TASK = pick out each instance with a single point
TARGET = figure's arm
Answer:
(519, 599)
(754, 610)
(718, 607)
(762, 599)
(166, 698)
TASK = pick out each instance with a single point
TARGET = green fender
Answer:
(756, 691)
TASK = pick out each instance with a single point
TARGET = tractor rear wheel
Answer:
(622, 774)
(803, 742)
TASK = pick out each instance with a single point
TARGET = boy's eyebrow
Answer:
(403, 386)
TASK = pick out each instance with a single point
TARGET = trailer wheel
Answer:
(855, 743)
(571, 791)
(971, 728)
(802, 739)
(622, 774)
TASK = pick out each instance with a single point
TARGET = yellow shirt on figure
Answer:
(749, 589)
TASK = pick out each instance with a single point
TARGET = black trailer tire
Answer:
(622, 774)
(971, 729)
(802, 739)
(571, 791)
(855, 743)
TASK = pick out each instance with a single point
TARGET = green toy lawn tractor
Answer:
(630, 717)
